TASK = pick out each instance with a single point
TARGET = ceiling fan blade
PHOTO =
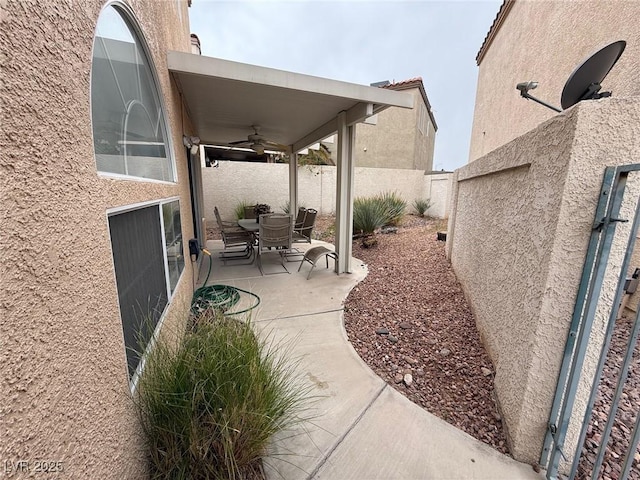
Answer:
(239, 142)
(275, 145)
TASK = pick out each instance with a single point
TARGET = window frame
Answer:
(128, 16)
(158, 203)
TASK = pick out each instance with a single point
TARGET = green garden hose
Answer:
(221, 298)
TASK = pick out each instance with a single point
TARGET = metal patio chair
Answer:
(226, 225)
(275, 235)
(303, 231)
(238, 245)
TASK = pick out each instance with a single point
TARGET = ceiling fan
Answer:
(257, 142)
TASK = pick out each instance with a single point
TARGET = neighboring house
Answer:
(400, 138)
(545, 42)
(96, 210)
(394, 138)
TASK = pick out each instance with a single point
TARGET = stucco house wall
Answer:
(519, 226)
(401, 138)
(545, 42)
(65, 392)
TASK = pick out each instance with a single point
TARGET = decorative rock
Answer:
(445, 352)
(398, 378)
(432, 341)
(389, 230)
(409, 360)
(392, 339)
(369, 242)
(408, 380)
(382, 331)
(405, 325)
(485, 371)
(420, 372)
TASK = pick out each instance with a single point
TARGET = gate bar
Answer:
(607, 339)
(628, 459)
(594, 240)
(622, 379)
(599, 245)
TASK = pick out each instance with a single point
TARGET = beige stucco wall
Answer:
(545, 41)
(395, 140)
(437, 188)
(519, 227)
(65, 387)
(233, 182)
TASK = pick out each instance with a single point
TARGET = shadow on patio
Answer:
(361, 428)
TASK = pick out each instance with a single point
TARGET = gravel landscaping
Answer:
(410, 322)
(626, 415)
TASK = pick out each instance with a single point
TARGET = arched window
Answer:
(129, 129)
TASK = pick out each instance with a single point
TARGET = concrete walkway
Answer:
(361, 428)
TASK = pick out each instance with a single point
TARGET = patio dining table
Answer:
(249, 224)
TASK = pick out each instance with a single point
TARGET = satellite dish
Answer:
(584, 82)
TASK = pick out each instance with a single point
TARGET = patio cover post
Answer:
(344, 194)
(293, 184)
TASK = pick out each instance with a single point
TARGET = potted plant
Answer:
(261, 209)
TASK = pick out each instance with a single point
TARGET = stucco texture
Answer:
(395, 141)
(544, 41)
(518, 232)
(234, 182)
(65, 387)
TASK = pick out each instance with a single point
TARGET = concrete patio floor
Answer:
(361, 428)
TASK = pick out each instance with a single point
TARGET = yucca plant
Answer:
(210, 405)
(421, 205)
(238, 210)
(394, 206)
(369, 214)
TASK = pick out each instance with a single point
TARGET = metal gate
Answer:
(600, 243)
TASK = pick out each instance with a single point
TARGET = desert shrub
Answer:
(286, 208)
(421, 205)
(394, 206)
(210, 404)
(238, 210)
(369, 214)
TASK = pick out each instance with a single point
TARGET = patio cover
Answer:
(224, 98)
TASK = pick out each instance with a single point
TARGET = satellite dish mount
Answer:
(524, 88)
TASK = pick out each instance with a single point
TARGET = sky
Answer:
(363, 41)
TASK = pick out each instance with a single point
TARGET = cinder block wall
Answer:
(233, 182)
(519, 226)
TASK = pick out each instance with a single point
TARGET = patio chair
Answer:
(304, 231)
(249, 212)
(238, 245)
(227, 226)
(275, 233)
(302, 212)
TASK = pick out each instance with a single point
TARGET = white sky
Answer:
(363, 41)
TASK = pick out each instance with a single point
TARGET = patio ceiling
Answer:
(225, 98)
